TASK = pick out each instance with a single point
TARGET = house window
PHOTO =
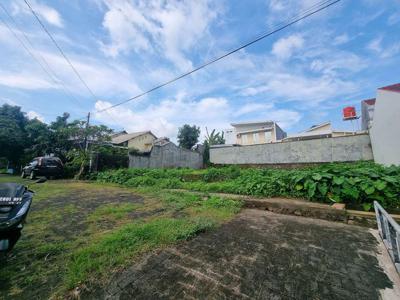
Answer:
(256, 138)
(268, 137)
(244, 139)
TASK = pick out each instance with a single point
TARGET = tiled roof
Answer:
(126, 137)
(370, 101)
(392, 88)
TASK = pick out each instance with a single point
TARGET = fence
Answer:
(389, 230)
(335, 149)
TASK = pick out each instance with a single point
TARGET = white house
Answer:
(385, 129)
(141, 141)
(323, 130)
(367, 113)
(250, 133)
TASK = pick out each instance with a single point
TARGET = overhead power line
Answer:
(59, 49)
(48, 70)
(325, 5)
(95, 98)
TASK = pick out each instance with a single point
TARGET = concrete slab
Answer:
(262, 255)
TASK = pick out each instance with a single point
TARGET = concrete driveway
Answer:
(262, 255)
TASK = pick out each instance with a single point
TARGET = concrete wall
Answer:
(385, 130)
(349, 148)
(167, 156)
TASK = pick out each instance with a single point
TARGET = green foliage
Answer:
(212, 139)
(117, 247)
(188, 136)
(357, 184)
(13, 136)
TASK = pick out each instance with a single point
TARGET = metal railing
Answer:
(389, 230)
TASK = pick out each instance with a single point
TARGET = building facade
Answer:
(367, 113)
(140, 141)
(323, 130)
(252, 133)
(384, 132)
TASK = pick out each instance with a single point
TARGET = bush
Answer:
(357, 184)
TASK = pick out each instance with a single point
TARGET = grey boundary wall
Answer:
(335, 149)
(167, 156)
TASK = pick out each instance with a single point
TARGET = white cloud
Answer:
(308, 91)
(375, 44)
(341, 39)
(24, 80)
(386, 51)
(96, 72)
(337, 62)
(394, 18)
(165, 118)
(285, 47)
(169, 29)
(49, 14)
(251, 108)
(34, 115)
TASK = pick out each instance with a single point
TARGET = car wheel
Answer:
(23, 174)
(32, 175)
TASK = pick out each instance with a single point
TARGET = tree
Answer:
(12, 133)
(188, 136)
(77, 133)
(39, 139)
(212, 139)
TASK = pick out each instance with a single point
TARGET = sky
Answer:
(298, 77)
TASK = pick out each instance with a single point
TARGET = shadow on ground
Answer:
(260, 255)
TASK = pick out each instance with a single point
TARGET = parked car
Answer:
(43, 166)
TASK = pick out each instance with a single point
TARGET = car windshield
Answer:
(33, 163)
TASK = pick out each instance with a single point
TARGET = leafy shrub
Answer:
(357, 184)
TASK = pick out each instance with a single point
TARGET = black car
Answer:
(43, 166)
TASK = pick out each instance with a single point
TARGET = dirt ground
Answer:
(260, 255)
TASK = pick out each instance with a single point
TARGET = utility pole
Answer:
(86, 132)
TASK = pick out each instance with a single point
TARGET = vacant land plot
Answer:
(77, 234)
(261, 255)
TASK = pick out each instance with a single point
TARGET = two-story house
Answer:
(250, 133)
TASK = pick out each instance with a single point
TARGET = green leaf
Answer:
(338, 180)
(299, 187)
(351, 191)
(367, 206)
(350, 181)
(311, 189)
(317, 176)
(380, 185)
(323, 189)
(390, 179)
(370, 190)
(334, 198)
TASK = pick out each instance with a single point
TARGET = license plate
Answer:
(10, 200)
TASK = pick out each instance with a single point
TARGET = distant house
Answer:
(141, 141)
(119, 133)
(250, 133)
(384, 131)
(165, 154)
(367, 113)
(323, 130)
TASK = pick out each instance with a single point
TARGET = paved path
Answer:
(261, 255)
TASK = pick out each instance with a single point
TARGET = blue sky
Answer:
(301, 76)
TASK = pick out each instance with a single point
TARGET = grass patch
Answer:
(114, 249)
(79, 233)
